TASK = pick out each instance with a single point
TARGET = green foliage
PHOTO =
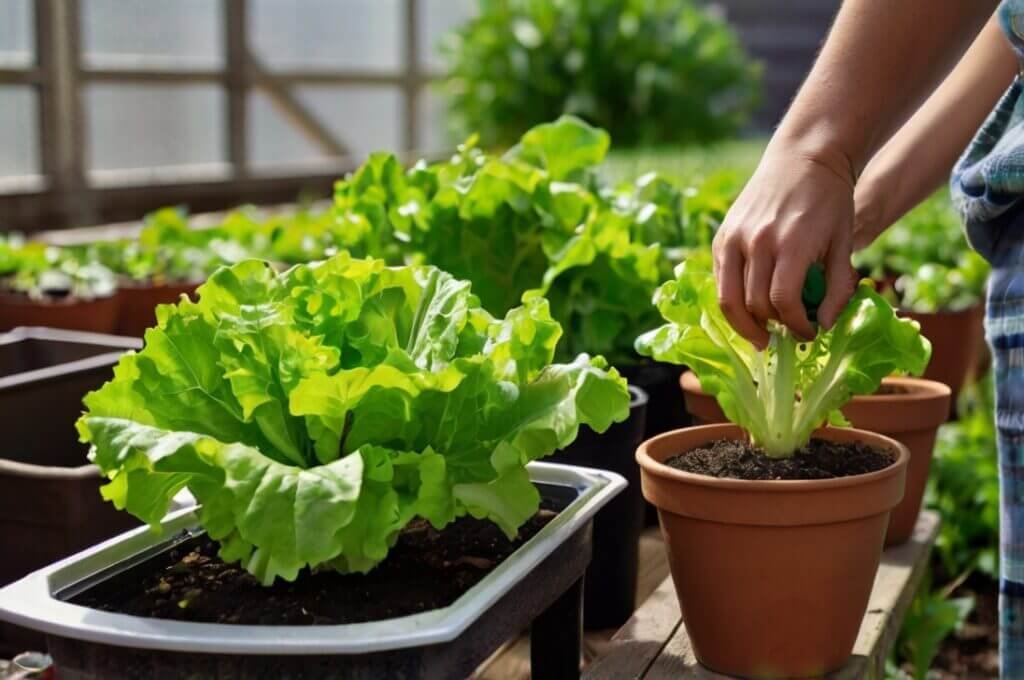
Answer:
(44, 272)
(964, 487)
(932, 617)
(316, 412)
(648, 71)
(928, 255)
(539, 221)
(782, 394)
(167, 249)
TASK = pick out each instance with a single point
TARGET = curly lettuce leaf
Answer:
(782, 394)
(315, 412)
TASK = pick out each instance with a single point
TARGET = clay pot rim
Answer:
(919, 389)
(716, 431)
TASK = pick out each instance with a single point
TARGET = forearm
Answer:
(880, 60)
(919, 157)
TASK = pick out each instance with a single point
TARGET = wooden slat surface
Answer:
(654, 644)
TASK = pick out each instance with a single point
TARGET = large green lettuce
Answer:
(782, 394)
(314, 413)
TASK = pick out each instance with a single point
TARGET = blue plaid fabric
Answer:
(987, 185)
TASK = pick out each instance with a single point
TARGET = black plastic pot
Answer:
(610, 585)
(666, 409)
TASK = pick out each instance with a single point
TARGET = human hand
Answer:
(796, 210)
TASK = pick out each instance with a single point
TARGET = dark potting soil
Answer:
(820, 459)
(426, 569)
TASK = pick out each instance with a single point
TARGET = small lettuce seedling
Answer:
(782, 394)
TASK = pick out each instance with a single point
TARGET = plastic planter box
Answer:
(610, 587)
(50, 505)
(540, 584)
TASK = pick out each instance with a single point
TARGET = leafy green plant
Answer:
(782, 394)
(932, 617)
(314, 413)
(44, 272)
(926, 256)
(964, 487)
(648, 71)
(539, 221)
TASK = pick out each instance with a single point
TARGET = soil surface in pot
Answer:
(819, 459)
(426, 569)
(892, 389)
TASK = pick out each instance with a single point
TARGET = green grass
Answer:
(686, 165)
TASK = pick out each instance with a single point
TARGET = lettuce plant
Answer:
(782, 394)
(316, 412)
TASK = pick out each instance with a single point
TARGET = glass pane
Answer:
(432, 126)
(19, 125)
(363, 119)
(142, 126)
(17, 39)
(153, 33)
(327, 34)
(438, 17)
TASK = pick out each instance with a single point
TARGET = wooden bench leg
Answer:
(556, 637)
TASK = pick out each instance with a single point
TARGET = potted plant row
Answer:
(775, 523)
(361, 441)
(40, 286)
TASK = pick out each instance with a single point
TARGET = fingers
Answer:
(784, 294)
(759, 265)
(731, 298)
(841, 281)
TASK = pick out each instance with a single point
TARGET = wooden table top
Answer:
(654, 645)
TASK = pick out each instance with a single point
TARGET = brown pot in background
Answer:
(98, 315)
(773, 577)
(958, 342)
(140, 299)
(911, 414)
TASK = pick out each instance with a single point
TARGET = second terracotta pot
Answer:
(139, 301)
(773, 577)
(910, 411)
(958, 343)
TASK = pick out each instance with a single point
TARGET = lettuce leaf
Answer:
(315, 412)
(782, 394)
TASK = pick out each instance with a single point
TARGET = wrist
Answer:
(816, 146)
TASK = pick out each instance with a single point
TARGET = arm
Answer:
(918, 159)
(880, 60)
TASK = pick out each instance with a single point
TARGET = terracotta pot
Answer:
(958, 339)
(912, 417)
(139, 301)
(98, 315)
(773, 577)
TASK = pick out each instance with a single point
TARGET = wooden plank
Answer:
(658, 621)
(640, 642)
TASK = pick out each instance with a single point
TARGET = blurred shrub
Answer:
(647, 71)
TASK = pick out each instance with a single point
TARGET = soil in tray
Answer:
(427, 569)
(819, 459)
